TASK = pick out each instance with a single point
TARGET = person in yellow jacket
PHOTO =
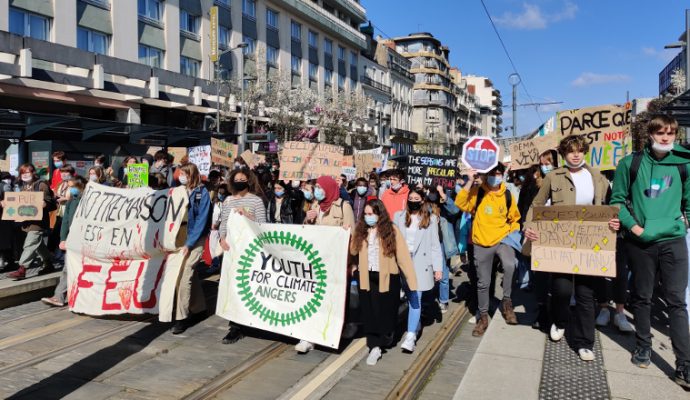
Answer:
(495, 232)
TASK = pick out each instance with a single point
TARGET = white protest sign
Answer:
(201, 156)
(287, 279)
(118, 251)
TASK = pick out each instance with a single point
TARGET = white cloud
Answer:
(590, 78)
(532, 17)
(665, 55)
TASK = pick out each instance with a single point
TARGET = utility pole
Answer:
(514, 80)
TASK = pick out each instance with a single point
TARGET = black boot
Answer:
(179, 327)
(234, 334)
(542, 320)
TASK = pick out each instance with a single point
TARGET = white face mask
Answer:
(295, 184)
(93, 178)
(574, 166)
(183, 179)
(27, 178)
(662, 148)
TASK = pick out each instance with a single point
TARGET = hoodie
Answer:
(395, 201)
(491, 222)
(655, 196)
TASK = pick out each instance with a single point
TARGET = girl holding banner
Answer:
(189, 295)
(383, 254)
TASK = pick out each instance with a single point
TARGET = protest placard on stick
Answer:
(253, 159)
(223, 153)
(137, 175)
(201, 157)
(574, 240)
(526, 153)
(304, 161)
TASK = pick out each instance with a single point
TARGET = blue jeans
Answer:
(414, 312)
(444, 284)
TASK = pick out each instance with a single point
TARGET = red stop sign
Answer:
(480, 153)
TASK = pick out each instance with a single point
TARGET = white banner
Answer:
(121, 247)
(287, 279)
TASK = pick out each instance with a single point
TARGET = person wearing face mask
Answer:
(36, 231)
(359, 195)
(6, 227)
(75, 188)
(309, 200)
(245, 191)
(547, 160)
(97, 175)
(654, 201)
(419, 228)
(382, 255)
(284, 205)
(495, 217)
(59, 160)
(189, 296)
(66, 174)
(395, 197)
(221, 193)
(574, 184)
(162, 166)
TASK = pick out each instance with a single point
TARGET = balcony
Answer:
(328, 21)
(430, 102)
(376, 85)
(354, 8)
(403, 136)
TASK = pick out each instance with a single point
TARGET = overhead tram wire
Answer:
(505, 49)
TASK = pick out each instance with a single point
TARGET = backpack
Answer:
(482, 193)
(635, 166)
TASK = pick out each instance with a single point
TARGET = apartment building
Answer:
(468, 111)
(491, 105)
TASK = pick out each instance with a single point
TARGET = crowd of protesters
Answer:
(406, 239)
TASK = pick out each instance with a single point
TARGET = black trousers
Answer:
(616, 289)
(668, 259)
(581, 326)
(379, 311)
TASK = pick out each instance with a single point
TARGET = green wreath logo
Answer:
(274, 317)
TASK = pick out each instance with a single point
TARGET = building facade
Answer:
(468, 111)
(490, 103)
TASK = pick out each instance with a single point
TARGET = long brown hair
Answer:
(384, 229)
(252, 181)
(192, 172)
(423, 212)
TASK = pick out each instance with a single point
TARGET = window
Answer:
(296, 30)
(150, 56)
(341, 81)
(296, 65)
(27, 24)
(251, 45)
(93, 41)
(328, 46)
(313, 39)
(341, 53)
(189, 66)
(271, 18)
(150, 9)
(272, 55)
(189, 22)
(223, 37)
(328, 77)
(353, 58)
(249, 8)
(313, 71)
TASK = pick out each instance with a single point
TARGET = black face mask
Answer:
(414, 205)
(239, 186)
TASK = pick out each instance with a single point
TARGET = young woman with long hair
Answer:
(419, 228)
(382, 255)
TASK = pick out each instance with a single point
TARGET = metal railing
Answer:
(376, 85)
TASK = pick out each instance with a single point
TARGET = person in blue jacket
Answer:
(189, 296)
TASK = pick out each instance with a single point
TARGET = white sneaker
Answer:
(304, 347)
(473, 319)
(409, 342)
(622, 323)
(374, 356)
(604, 317)
(586, 354)
(555, 333)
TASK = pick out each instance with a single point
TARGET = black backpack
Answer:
(482, 193)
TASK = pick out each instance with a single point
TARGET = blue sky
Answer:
(583, 53)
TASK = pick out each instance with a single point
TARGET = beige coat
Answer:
(340, 214)
(388, 266)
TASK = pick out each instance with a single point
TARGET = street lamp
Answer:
(514, 79)
(239, 46)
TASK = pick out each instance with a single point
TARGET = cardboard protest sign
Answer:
(348, 161)
(201, 157)
(430, 170)
(287, 279)
(253, 159)
(526, 153)
(121, 251)
(367, 162)
(137, 175)
(23, 206)
(223, 153)
(350, 173)
(607, 129)
(304, 161)
(574, 240)
(5, 165)
(178, 153)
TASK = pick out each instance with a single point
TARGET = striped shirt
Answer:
(251, 205)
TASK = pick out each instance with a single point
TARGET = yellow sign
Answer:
(214, 34)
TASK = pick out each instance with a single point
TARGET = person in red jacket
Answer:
(395, 197)
(59, 161)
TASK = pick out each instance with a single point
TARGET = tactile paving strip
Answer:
(565, 377)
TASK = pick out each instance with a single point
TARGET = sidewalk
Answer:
(517, 362)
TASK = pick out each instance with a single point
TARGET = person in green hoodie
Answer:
(653, 198)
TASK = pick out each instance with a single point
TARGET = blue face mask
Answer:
(521, 178)
(319, 194)
(494, 180)
(58, 164)
(308, 195)
(545, 169)
(74, 191)
(458, 188)
(387, 183)
(371, 220)
(221, 197)
(279, 193)
(362, 190)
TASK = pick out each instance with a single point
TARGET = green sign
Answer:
(138, 175)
